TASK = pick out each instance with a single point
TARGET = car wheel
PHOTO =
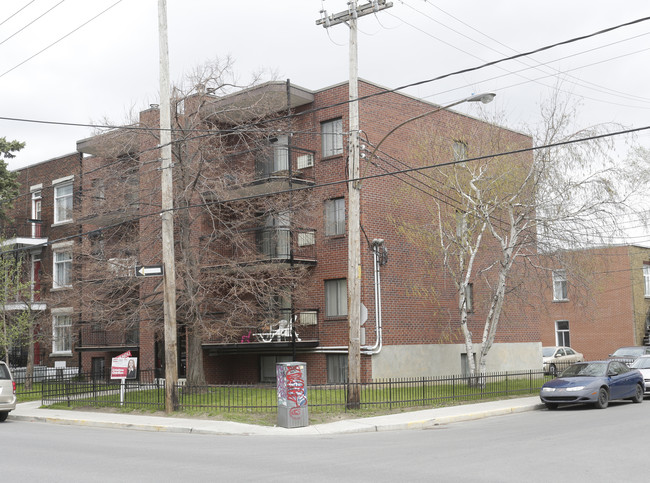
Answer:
(551, 406)
(552, 370)
(603, 399)
(3, 416)
(638, 395)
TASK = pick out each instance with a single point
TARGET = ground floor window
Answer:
(337, 368)
(267, 367)
(562, 333)
(62, 334)
(464, 364)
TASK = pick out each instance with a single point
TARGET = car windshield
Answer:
(629, 351)
(641, 363)
(548, 351)
(590, 369)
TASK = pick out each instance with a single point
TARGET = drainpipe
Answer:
(380, 257)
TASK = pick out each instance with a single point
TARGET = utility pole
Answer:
(166, 186)
(354, 196)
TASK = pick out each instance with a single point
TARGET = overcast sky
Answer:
(110, 65)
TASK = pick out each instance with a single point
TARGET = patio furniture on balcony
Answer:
(280, 331)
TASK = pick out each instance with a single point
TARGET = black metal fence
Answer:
(148, 392)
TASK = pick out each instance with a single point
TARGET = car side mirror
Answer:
(611, 373)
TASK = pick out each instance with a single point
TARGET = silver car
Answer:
(643, 365)
(7, 392)
(557, 358)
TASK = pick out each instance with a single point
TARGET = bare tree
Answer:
(491, 215)
(235, 216)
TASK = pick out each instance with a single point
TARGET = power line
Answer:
(30, 23)
(59, 40)
(16, 13)
(345, 181)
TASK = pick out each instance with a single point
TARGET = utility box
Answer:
(292, 394)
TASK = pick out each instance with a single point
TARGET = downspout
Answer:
(380, 258)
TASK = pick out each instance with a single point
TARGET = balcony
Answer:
(29, 233)
(273, 172)
(276, 245)
(93, 338)
(272, 336)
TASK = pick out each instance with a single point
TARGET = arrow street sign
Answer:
(150, 271)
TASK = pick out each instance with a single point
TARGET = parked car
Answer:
(7, 392)
(642, 364)
(557, 358)
(596, 382)
(629, 354)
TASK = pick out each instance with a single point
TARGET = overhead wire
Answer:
(59, 40)
(32, 22)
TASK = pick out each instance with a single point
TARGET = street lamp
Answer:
(354, 229)
(485, 98)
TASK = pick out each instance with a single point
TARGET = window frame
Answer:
(335, 219)
(66, 267)
(646, 280)
(336, 368)
(562, 335)
(560, 283)
(67, 198)
(331, 137)
(337, 287)
(62, 332)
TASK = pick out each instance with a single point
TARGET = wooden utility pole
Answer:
(354, 195)
(166, 186)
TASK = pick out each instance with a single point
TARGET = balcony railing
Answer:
(277, 244)
(90, 336)
(276, 328)
(31, 229)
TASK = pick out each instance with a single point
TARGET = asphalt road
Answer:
(570, 444)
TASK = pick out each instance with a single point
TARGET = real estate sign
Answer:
(124, 366)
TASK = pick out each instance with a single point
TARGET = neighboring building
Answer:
(44, 230)
(606, 307)
(112, 187)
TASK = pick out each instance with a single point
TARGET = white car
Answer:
(557, 358)
(643, 365)
(7, 392)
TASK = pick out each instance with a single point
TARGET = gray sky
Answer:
(110, 65)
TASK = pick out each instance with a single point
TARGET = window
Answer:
(336, 298)
(63, 202)
(469, 297)
(562, 333)
(335, 217)
(280, 154)
(459, 150)
(62, 334)
(559, 285)
(36, 213)
(332, 137)
(306, 238)
(62, 269)
(646, 280)
(268, 369)
(337, 368)
(99, 195)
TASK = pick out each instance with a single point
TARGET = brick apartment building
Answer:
(91, 217)
(607, 309)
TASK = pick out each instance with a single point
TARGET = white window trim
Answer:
(64, 311)
(564, 279)
(57, 184)
(336, 148)
(66, 249)
(342, 300)
(36, 187)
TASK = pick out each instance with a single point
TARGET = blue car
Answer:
(596, 383)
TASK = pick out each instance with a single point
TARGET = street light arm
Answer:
(484, 98)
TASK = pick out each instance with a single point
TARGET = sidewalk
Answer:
(422, 419)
